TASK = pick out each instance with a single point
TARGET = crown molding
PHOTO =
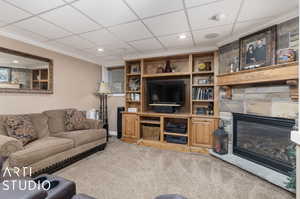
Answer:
(158, 53)
(290, 15)
(45, 46)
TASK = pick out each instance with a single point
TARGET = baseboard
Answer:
(113, 133)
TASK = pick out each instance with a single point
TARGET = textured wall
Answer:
(271, 100)
(74, 83)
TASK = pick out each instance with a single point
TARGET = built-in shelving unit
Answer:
(199, 112)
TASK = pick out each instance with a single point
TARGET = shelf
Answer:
(46, 81)
(203, 73)
(129, 101)
(176, 134)
(203, 100)
(133, 74)
(133, 91)
(149, 122)
(173, 144)
(167, 74)
(202, 85)
(281, 73)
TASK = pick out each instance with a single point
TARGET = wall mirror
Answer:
(25, 73)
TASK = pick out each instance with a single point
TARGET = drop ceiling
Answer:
(125, 28)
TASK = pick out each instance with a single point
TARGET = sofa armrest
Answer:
(94, 124)
(9, 145)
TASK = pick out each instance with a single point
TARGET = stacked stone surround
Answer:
(271, 100)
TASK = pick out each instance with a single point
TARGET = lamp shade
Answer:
(103, 88)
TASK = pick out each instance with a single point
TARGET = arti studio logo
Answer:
(17, 184)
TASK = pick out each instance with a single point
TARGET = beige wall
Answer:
(74, 83)
(113, 102)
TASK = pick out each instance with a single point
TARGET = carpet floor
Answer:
(128, 171)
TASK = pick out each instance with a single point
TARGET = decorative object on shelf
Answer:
(135, 68)
(134, 97)
(258, 49)
(221, 140)
(102, 92)
(5, 75)
(168, 68)
(132, 110)
(204, 66)
(201, 110)
(286, 55)
(134, 84)
(159, 69)
(174, 67)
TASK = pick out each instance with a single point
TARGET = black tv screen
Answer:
(166, 92)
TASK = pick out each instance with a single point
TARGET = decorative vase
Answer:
(168, 68)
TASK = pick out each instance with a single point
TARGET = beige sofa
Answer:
(54, 147)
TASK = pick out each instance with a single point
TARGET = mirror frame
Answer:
(30, 91)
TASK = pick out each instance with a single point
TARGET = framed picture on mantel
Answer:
(258, 49)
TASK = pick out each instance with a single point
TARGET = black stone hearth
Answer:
(263, 140)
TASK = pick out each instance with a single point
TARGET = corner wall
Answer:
(75, 82)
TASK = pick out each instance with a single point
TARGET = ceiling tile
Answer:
(37, 6)
(222, 31)
(76, 42)
(42, 27)
(200, 17)
(173, 41)
(10, 13)
(131, 31)
(100, 37)
(106, 12)
(147, 44)
(168, 24)
(193, 3)
(23, 33)
(258, 9)
(70, 19)
(146, 8)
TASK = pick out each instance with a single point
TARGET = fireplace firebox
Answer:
(263, 140)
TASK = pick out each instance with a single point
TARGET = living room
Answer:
(181, 99)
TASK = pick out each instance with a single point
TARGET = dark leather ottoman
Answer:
(59, 187)
(170, 196)
(14, 192)
(82, 196)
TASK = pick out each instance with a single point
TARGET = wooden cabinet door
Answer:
(130, 125)
(202, 132)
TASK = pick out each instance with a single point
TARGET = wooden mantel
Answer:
(277, 74)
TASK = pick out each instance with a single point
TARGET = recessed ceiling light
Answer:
(218, 17)
(15, 61)
(100, 49)
(211, 35)
(183, 36)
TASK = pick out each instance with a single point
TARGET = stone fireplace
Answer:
(263, 140)
(269, 102)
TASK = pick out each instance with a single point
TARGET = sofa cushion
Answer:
(56, 120)
(75, 120)
(82, 137)
(40, 124)
(39, 150)
(21, 128)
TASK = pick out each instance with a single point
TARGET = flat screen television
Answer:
(166, 92)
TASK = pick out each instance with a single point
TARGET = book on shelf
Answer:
(202, 94)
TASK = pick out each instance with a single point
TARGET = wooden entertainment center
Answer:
(199, 111)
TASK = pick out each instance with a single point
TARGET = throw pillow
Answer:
(75, 120)
(21, 128)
